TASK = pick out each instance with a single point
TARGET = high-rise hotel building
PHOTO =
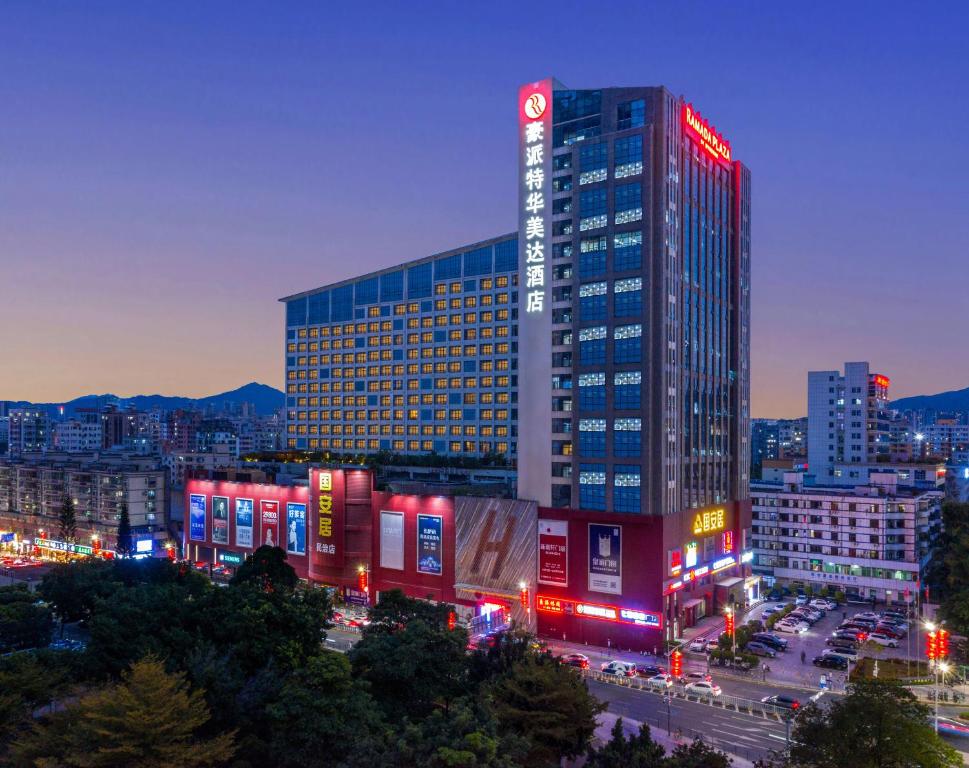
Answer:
(417, 358)
(634, 246)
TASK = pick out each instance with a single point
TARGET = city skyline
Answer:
(169, 178)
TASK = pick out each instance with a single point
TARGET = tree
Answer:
(878, 724)
(549, 705)
(151, 719)
(72, 588)
(638, 751)
(696, 754)
(949, 569)
(67, 520)
(125, 546)
(267, 568)
(23, 623)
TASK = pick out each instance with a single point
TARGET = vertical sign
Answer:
(392, 540)
(535, 106)
(244, 523)
(220, 520)
(196, 517)
(553, 552)
(269, 523)
(327, 500)
(429, 550)
(605, 558)
(295, 528)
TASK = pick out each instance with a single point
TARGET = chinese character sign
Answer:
(196, 517)
(553, 551)
(535, 112)
(244, 522)
(429, 548)
(605, 558)
(326, 504)
(269, 514)
(296, 528)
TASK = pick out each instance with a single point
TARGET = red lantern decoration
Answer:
(676, 664)
(452, 620)
(943, 643)
(362, 581)
(730, 624)
(523, 597)
(931, 646)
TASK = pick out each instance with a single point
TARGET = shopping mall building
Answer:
(604, 348)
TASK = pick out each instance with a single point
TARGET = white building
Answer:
(30, 431)
(848, 420)
(869, 541)
(76, 436)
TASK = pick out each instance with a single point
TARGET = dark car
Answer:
(787, 702)
(775, 594)
(772, 641)
(761, 649)
(649, 670)
(830, 662)
(889, 630)
(842, 642)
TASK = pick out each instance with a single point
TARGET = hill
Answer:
(956, 400)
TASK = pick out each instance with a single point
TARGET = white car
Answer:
(698, 645)
(792, 627)
(867, 616)
(703, 688)
(822, 604)
(661, 682)
(619, 669)
(878, 637)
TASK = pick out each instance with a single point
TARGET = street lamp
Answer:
(941, 669)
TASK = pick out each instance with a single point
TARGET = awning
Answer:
(733, 581)
(692, 603)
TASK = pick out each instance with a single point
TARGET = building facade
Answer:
(29, 430)
(34, 487)
(419, 358)
(870, 541)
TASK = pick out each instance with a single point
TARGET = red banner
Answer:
(326, 524)
(553, 552)
(269, 523)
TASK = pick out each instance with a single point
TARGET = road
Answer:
(748, 736)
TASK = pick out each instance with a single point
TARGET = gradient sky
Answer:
(169, 170)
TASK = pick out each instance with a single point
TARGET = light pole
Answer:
(940, 669)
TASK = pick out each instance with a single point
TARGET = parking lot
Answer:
(787, 667)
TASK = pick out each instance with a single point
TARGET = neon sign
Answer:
(706, 135)
(881, 381)
(534, 197)
(722, 563)
(634, 616)
(691, 554)
(709, 521)
(728, 541)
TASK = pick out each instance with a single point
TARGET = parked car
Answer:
(775, 594)
(649, 670)
(780, 700)
(661, 682)
(883, 639)
(760, 649)
(703, 688)
(886, 629)
(698, 645)
(712, 645)
(856, 625)
(895, 615)
(851, 654)
(770, 610)
(775, 642)
(830, 662)
(792, 627)
(842, 642)
(694, 677)
(579, 660)
(867, 616)
(800, 600)
(619, 668)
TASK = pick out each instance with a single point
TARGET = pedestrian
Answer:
(803, 656)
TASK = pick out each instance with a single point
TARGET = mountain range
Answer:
(956, 400)
(266, 399)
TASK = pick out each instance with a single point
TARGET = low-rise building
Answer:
(871, 541)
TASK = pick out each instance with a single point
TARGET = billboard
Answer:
(553, 552)
(220, 520)
(430, 556)
(605, 558)
(392, 540)
(196, 517)
(327, 506)
(269, 523)
(295, 528)
(244, 522)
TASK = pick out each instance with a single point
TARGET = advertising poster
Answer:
(392, 540)
(196, 517)
(553, 551)
(269, 516)
(295, 528)
(220, 520)
(605, 558)
(326, 525)
(429, 548)
(244, 522)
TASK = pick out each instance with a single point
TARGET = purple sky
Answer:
(168, 170)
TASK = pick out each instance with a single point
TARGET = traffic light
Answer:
(730, 624)
(943, 643)
(676, 664)
(931, 646)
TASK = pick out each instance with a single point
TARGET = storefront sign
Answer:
(635, 616)
(70, 548)
(534, 197)
(691, 555)
(553, 605)
(269, 523)
(244, 523)
(605, 558)
(295, 528)
(723, 563)
(709, 521)
(706, 136)
(728, 541)
(392, 540)
(747, 556)
(196, 517)
(553, 551)
(429, 548)
(674, 562)
(220, 520)
(231, 558)
(144, 546)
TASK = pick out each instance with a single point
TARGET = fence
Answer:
(723, 701)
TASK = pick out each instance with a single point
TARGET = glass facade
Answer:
(417, 359)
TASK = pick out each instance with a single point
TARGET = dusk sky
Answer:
(169, 170)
